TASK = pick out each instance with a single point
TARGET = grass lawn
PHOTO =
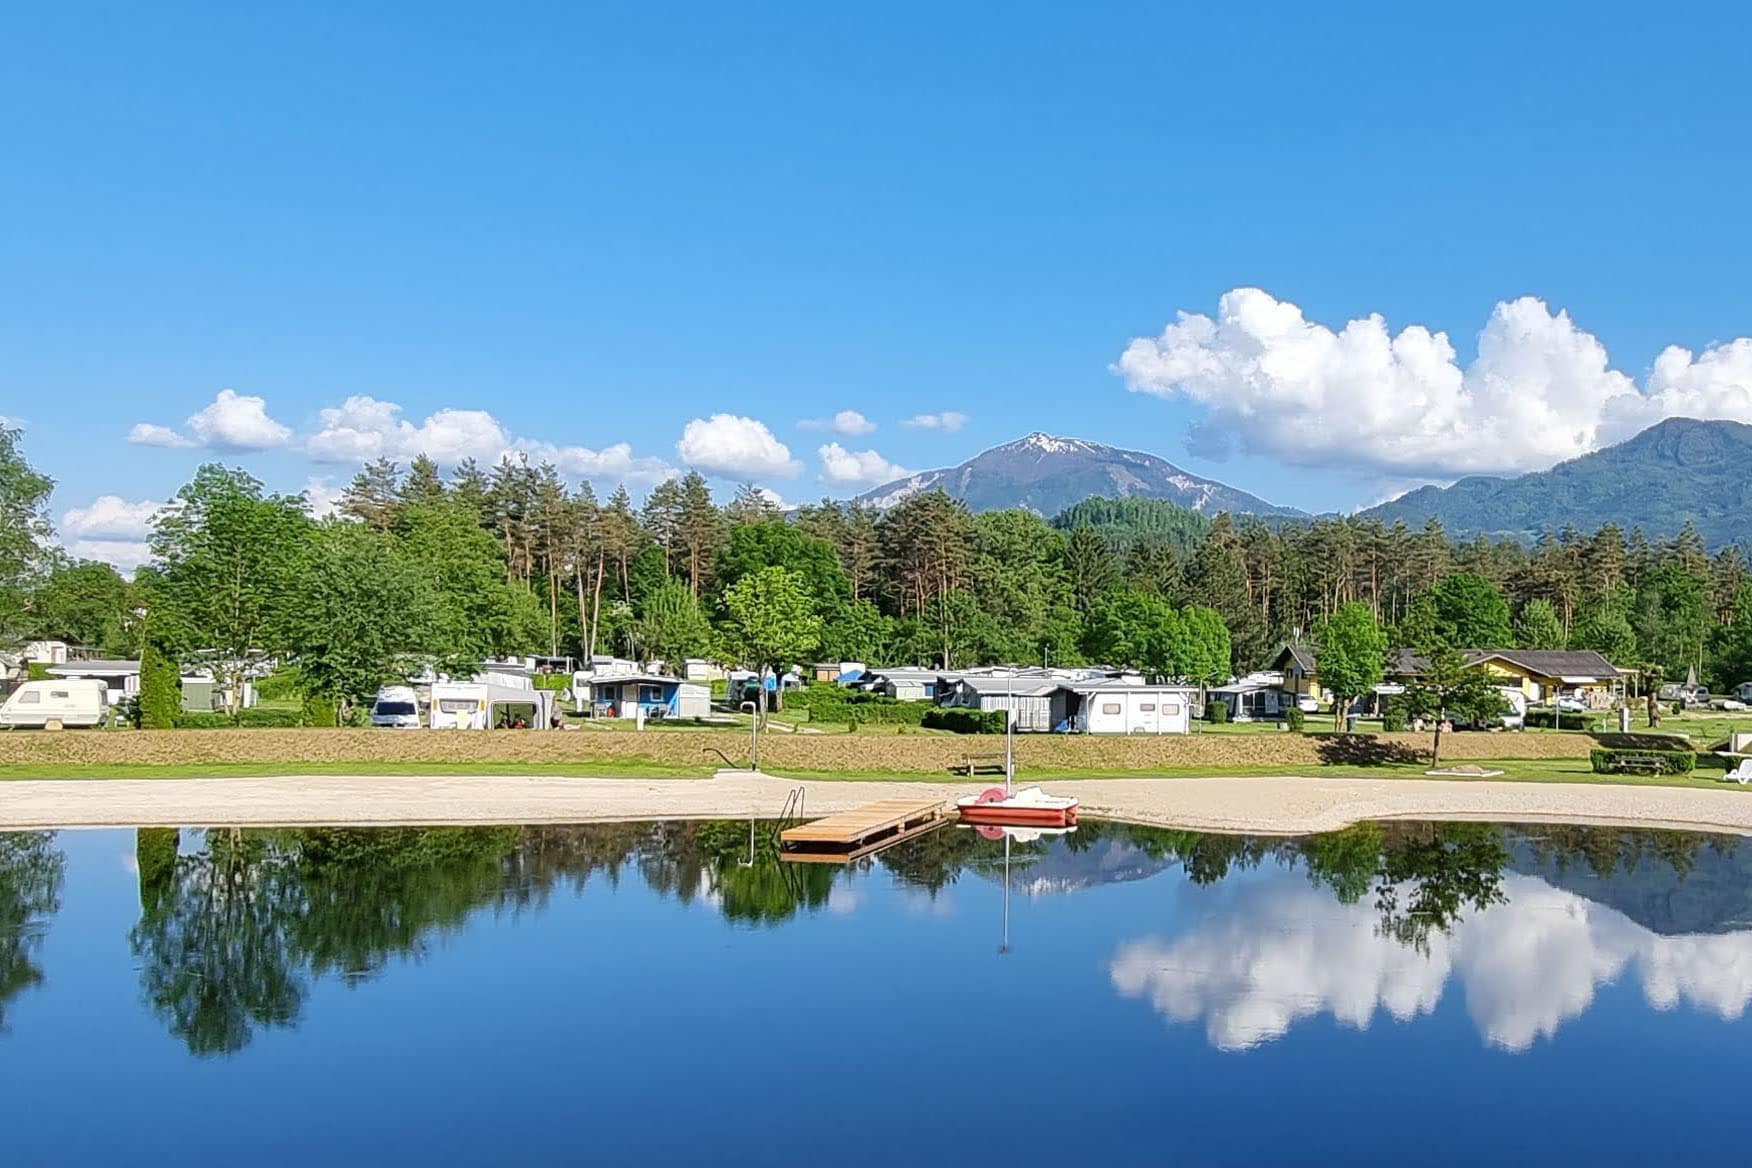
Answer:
(604, 769)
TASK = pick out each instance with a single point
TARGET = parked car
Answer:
(1571, 706)
(1307, 705)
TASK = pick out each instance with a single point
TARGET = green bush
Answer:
(245, 720)
(1393, 717)
(964, 721)
(160, 689)
(317, 710)
(280, 685)
(36, 671)
(1295, 719)
(1673, 762)
(1216, 713)
(553, 681)
(827, 702)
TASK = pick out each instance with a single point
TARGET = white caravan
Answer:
(72, 701)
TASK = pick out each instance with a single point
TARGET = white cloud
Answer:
(857, 467)
(362, 428)
(776, 499)
(237, 421)
(112, 529)
(1541, 390)
(322, 498)
(232, 422)
(1282, 950)
(615, 463)
(733, 445)
(848, 422)
(152, 434)
(948, 421)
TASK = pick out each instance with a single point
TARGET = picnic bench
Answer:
(973, 764)
(1642, 764)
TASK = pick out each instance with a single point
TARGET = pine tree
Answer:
(374, 496)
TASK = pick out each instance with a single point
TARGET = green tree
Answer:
(224, 557)
(24, 534)
(858, 632)
(31, 868)
(1469, 612)
(364, 612)
(1539, 626)
(1450, 689)
(774, 543)
(1090, 566)
(87, 603)
(1603, 625)
(1201, 654)
(770, 621)
(1731, 649)
(160, 688)
(478, 612)
(670, 624)
(1353, 647)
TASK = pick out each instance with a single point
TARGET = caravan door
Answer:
(1147, 714)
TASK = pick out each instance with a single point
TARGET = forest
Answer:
(418, 566)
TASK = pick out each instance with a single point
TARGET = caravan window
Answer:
(456, 705)
(1147, 708)
(30, 697)
(1110, 707)
(1172, 709)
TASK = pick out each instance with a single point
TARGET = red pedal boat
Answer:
(1029, 807)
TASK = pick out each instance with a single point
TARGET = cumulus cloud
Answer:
(322, 498)
(112, 529)
(948, 421)
(848, 422)
(1283, 951)
(363, 428)
(612, 463)
(1541, 389)
(237, 421)
(733, 445)
(152, 434)
(232, 422)
(857, 467)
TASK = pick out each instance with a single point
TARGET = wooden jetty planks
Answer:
(850, 835)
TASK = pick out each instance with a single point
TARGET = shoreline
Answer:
(1268, 805)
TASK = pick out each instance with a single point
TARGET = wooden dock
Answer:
(863, 831)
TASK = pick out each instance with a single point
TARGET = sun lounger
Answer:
(1741, 774)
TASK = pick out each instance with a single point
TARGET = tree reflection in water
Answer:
(31, 868)
(234, 929)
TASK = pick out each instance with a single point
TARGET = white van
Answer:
(397, 708)
(73, 701)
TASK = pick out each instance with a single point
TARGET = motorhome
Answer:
(69, 702)
(397, 708)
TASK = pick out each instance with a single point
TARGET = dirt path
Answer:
(1264, 805)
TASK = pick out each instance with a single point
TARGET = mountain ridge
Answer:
(1679, 470)
(1046, 473)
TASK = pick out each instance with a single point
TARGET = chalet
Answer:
(1299, 667)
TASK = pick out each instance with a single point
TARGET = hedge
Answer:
(1673, 762)
(554, 681)
(160, 699)
(1216, 712)
(245, 720)
(831, 703)
(965, 721)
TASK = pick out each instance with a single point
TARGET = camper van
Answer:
(397, 708)
(73, 701)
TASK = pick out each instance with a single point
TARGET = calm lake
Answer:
(642, 993)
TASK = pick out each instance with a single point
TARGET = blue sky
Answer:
(600, 224)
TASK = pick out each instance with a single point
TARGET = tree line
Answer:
(448, 569)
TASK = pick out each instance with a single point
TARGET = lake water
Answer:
(640, 993)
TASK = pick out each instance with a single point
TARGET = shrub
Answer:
(245, 720)
(278, 685)
(1216, 712)
(553, 681)
(37, 671)
(1393, 717)
(1673, 762)
(318, 710)
(1295, 719)
(826, 702)
(964, 721)
(160, 689)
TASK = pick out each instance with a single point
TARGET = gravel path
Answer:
(1264, 805)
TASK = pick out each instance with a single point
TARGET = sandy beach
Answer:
(1276, 805)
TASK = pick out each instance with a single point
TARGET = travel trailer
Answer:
(72, 701)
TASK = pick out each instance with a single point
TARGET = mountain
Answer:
(1048, 474)
(1677, 470)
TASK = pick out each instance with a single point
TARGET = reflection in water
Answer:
(30, 892)
(236, 927)
(1527, 955)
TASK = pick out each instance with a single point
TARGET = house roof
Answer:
(94, 666)
(1112, 685)
(1021, 686)
(1558, 663)
(1302, 656)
